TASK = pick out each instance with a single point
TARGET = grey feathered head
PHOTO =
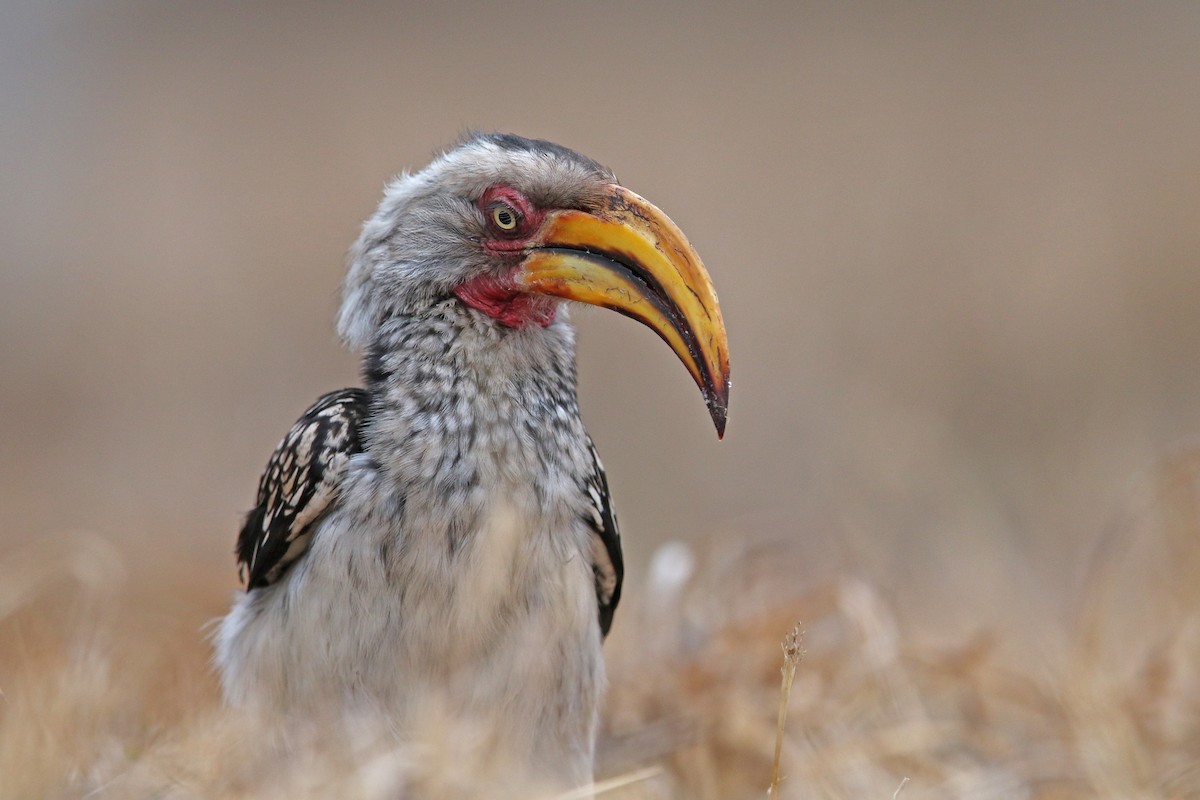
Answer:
(425, 238)
(511, 227)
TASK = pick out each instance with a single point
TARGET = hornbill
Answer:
(446, 531)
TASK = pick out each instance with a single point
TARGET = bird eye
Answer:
(505, 217)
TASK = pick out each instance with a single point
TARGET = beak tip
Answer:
(718, 408)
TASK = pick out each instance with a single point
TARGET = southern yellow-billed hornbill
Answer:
(446, 532)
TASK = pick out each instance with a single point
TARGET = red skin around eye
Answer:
(531, 219)
(499, 297)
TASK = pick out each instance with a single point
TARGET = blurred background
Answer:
(956, 247)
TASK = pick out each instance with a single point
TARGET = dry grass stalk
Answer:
(611, 785)
(792, 655)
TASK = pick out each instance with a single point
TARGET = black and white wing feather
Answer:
(608, 565)
(301, 481)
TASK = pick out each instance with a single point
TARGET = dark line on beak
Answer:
(657, 295)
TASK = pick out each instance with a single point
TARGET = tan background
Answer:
(957, 247)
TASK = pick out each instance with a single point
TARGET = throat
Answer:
(502, 301)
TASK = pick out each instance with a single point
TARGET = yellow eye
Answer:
(505, 217)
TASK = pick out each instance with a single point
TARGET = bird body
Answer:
(458, 550)
(443, 538)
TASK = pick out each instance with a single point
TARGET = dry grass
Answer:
(792, 653)
(106, 690)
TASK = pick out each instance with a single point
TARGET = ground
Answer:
(107, 691)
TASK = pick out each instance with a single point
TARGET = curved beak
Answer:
(629, 256)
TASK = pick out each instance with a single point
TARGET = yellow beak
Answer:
(629, 256)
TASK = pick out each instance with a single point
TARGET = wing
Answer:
(608, 565)
(301, 481)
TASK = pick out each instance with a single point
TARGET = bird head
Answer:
(512, 227)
